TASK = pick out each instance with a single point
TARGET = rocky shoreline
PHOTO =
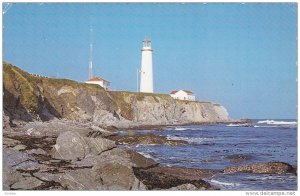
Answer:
(68, 155)
(61, 134)
(63, 155)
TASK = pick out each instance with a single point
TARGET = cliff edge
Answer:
(30, 97)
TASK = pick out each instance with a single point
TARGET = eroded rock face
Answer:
(263, 168)
(72, 146)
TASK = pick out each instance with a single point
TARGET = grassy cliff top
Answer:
(27, 88)
(10, 70)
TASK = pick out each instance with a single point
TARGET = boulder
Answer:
(139, 160)
(15, 158)
(27, 183)
(99, 145)
(117, 174)
(9, 176)
(145, 139)
(168, 177)
(80, 179)
(136, 159)
(72, 146)
(263, 168)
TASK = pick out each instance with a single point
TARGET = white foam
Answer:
(180, 129)
(273, 122)
(192, 140)
(138, 145)
(225, 183)
(146, 155)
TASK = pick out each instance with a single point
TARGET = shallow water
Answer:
(209, 147)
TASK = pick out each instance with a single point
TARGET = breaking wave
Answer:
(224, 183)
(273, 122)
(180, 129)
(190, 140)
(239, 125)
(146, 155)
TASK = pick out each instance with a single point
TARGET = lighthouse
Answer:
(146, 68)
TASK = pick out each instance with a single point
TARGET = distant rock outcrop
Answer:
(263, 168)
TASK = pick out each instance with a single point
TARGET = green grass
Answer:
(19, 82)
(24, 84)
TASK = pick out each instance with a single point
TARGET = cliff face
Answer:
(27, 97)
(163, 109)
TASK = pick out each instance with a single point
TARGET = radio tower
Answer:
(91, 54)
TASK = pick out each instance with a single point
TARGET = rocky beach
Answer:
(62, 135)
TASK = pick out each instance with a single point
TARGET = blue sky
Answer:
(240, 55)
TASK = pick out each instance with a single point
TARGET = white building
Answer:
(99, 81)
(183, 95)
(146, 68)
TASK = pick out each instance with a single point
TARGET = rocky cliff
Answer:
(28, 97)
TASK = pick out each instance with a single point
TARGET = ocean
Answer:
(215, 146)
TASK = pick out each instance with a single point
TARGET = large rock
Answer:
(80, 179)
(27, 183)
(117, 174)
(19, 160)
(111, 170)
(135, 159)
(168, 177)
(263, 168)
(72, 146)
(99, 145)
(139, 160)
(9, 176)
(146, 139)
(13, 162)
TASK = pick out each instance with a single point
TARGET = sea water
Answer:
(210, 147)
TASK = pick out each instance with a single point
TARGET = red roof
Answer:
(188, 92)
(97, 79)
(147, 40)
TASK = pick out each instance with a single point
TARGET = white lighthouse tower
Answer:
(146, 68)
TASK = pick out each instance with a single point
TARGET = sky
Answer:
(243, 56)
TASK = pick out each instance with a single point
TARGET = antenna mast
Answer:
(91, 54)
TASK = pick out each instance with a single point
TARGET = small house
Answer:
(99, 81)
(183, 95)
